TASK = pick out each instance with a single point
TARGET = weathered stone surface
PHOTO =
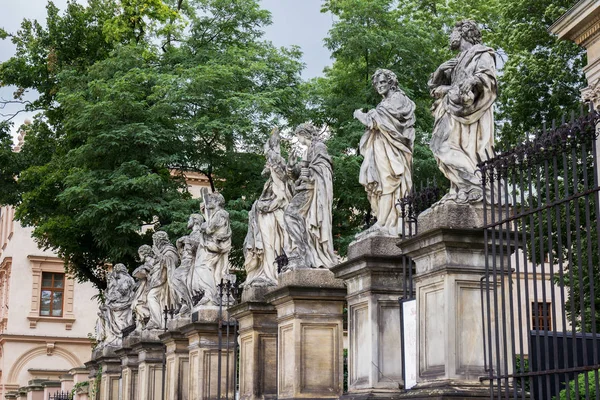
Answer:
(384, 246)
(129, 371)
(310, 205)
(309, 307)
(453, 216)
(177, 365)
(449, 265)
(374, 280)
(387, 146)
(203, 345)
(308, 278)
(258, 349)
(255, 293)
(267, 235)
(464, 89)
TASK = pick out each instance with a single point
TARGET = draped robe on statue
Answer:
(387, 150)
(160, 294)
(308, 216)
(464, 122)
(212, 256)
(266, 230)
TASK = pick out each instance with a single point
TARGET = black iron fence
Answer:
(228, 371)
(60, 396)
(541, 290)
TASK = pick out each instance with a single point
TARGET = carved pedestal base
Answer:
(374, 279)
(309, 307)
(110, 365)
(203, 345)
(129, 370)
(150, 351)
(178, 365)
(258, 346)
(450, 262)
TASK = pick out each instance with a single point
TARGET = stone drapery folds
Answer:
(464, 89)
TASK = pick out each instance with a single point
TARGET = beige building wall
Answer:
(31, 345)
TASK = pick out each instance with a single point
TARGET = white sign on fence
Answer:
(409, 312)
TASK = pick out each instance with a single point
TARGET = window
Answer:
(541, 316)
(52, 292)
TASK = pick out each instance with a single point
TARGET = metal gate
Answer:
(541, 290)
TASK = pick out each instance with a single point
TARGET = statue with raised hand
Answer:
(387, 148)
(464, 89)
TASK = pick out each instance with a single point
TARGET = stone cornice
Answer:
(580, 24)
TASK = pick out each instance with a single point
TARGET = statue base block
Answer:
(150, 352)
(309, 304)
(450, 260)
(203, 347)
(258, 348)
(374, 279)
(129, 371)
(177, 363)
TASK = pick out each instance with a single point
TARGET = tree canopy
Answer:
(134, 92)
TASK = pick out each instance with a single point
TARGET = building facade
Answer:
(46, 317)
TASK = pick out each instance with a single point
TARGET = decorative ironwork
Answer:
(229, 293)
(414, 204)
(540, 293)
(60, 396)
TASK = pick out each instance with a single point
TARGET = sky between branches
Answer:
(295, 22)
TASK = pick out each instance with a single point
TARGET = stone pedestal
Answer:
(309, 304)
(373, 276)
(129, 370)
(110, 364)
(178, 364)
(450, 261)
(150, 352)
(203, 345)
(258, 345)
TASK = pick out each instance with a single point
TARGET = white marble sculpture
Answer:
(160, 293)
(214, 245)
(186, 246)
(142, 274)
(308, 215)
(387, 146)
(267, 236)
(118, 298)
(464, 89)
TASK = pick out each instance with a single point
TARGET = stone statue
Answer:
(118, 298)
(142, 273)
(308, 216)
(387, 145)
(186, 246)
(214, 245)
(160, 293)
(464, 89)
(267, 236)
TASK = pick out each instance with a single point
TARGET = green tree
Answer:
(98, 160)
(542, 76)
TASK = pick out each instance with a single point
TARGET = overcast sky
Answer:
(295, 22)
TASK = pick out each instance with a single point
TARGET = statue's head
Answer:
(467, 30)
(195, 220)
(160, 238)
(145, 251)
(215, 200)
(120, 269)
(384, 80)
(306, 133)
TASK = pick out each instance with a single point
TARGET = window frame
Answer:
(53, 289)
(539, 321)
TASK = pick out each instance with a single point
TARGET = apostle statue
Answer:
(308, 215)
(212, 257)
(267, 236)
(118, 298)
(464, 89)
(142, 273)
(186, 247)
(160, 293)
(387, 146)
